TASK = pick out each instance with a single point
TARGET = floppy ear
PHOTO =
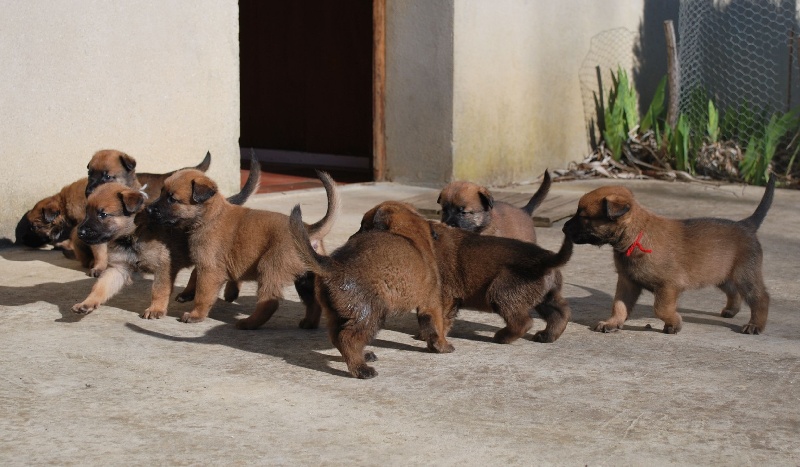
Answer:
(486, 198)
(50, 214)
(127, 161)
(202, 190)
(615, 207)
(368, 221)
(132, 201)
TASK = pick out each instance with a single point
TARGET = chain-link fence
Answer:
(744, 55)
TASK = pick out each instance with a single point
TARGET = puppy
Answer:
(471, 207)
(668, 256)
(53, 219)
(228, 242)
(372, 276)
(116, 216)
(109, 165)
(487, 273)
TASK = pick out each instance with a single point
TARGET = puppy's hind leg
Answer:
(432, 327)
(518, 322)
(556, 312)
(111, 281)
(351, 339)
(665, 305)
(734, 303)
(305, 289)
(191, 287)
(756, 296)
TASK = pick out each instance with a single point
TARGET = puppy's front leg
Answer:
(110, 282)
(100, 255)
(665, 306)
(208, 286)
(624, 300)
(163, 280)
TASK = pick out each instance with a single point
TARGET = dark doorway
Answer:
(306, 86)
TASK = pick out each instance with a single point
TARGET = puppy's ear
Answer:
(487, 200)
(615, 207)
(132, 201)
(202, 190)
(439, 199)
(368, 221)
(127, 161)
(50, 214)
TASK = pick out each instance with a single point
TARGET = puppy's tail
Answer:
(755, 220)
(250, 186)
(315, 262)
(319, 229)
(205, 164)
(539, 196)
(561, 257)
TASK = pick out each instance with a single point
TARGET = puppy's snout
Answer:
(83, 233)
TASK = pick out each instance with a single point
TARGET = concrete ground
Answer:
(113, 389)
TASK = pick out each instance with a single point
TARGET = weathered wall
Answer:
(419, 91)
(158, 80)
(513, 89)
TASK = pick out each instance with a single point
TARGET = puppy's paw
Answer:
(751, 328)
(96, 271)
(246, 324)
(192, 317)
(364, 372)
(370, 356)
(185, 296)
(231, 292)
(728, 313)
(308, 323)
(544, 337)
(152, 313)
(605, 326)
(84, 308)
(504, 336)
(671, 329)
(441, 347)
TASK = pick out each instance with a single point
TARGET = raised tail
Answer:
(250, 186)
(205, 164)
(755, 220)
(315, 262)
(539, 196)
(562, 256)
(319, 229)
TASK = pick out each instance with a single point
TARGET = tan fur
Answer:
(472, 207)
(115, 215)
(228, 242)
(110, 165)
(373, 276)
(686, 254)
(53, 219)
(488, 273)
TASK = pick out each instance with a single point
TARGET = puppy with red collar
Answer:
(668, 256)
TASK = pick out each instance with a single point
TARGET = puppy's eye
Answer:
(171, 199)
(102, 215)
(106, 176)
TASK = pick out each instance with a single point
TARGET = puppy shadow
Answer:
(462, 328)
(595, 307)
(61, 294)
(52, 256)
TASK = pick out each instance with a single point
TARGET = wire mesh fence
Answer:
(744, 55)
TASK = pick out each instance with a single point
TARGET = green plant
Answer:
(621, 114)
(656, 109)
(761, 150)
(713, 123)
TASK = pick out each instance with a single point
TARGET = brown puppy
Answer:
(371, 277)
(53, 220)
(109, 165)
(228, 242)
(116, 215)
(668, 256)
(488, 273)
(472, 207)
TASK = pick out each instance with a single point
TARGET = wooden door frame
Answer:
(379, 90)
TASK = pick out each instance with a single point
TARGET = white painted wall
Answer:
(516, 98)
(158, 80)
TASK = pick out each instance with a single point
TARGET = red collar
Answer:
(638, 244)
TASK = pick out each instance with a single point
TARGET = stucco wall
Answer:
(158, 80)
(419, 91)
(516, 98)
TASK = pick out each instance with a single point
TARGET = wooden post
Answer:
(379, 90)
(674, 73)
